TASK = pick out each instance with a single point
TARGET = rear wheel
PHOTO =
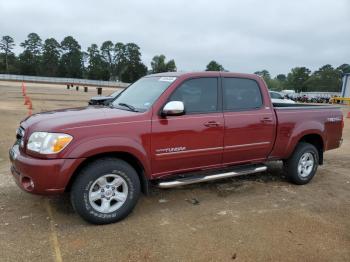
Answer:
(105, 191)
(302, 165)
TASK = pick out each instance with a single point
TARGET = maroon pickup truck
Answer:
(168, 130)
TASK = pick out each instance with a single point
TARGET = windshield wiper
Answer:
(128, 106)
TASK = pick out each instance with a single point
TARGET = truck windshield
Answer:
(141, 95)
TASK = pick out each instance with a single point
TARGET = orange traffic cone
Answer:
(30, 105)
(26, 100)
(24, 89)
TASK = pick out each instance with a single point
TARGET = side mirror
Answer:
(173, 108)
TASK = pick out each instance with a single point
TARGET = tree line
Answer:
(110, 61)
(301, 79)
(122, 62)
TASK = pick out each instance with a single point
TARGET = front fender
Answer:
(93, 146)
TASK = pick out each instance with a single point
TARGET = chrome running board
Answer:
(238, 171)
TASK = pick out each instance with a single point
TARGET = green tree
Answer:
(325, 79)
(12, 64)
(134, 68)
(71, 63)
(278, 83)
(97, 68)
(120, 60)
(171, 66)
(6, 46)
(50, 57)
(264, 74)
(297, 79)
(85, 63)
(281, 77)
(27, 64)
(272, 84)
(275, 84)
(108, 56)
(33, 44)
(159, 64)
(29, 59)
(214, 66)
(344, 69)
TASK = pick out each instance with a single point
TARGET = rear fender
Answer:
(302, 130)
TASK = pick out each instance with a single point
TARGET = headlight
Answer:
(48, 143)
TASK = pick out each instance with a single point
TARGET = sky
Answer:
(242, 35)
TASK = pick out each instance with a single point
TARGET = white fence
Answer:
(315, 94)
(61, 80)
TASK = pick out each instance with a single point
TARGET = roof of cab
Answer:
(204, 73)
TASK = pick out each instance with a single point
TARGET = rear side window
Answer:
(241, 94)
(199, 95)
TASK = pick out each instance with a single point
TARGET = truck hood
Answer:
(60, 120)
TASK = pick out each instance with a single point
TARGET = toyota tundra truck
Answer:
(168, 130)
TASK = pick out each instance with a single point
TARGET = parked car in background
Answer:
(103, 100)
(287, 91)
(278, 98)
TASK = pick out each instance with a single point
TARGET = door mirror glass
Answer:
(173, 108)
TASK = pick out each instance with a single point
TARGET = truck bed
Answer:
(303, 106)
(295, 120)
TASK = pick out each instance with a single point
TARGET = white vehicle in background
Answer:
(288, 91)
(278, 98)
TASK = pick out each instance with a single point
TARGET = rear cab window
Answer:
(241, 94)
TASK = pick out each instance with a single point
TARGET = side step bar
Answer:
(199, 179)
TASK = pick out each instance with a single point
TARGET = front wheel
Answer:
(302, 165)
(105, 191)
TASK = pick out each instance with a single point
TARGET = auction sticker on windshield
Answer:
(167, 79)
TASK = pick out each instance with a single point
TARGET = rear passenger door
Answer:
(194, 140)
(249, 124)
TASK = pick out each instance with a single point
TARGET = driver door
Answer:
(192, 141)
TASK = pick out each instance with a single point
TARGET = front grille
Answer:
(14, 171)
(19, 136)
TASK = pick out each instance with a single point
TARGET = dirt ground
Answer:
(253, 218)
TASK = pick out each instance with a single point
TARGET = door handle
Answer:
(266, 120)
(211, 124)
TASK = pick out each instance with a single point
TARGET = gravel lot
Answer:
(254, 218)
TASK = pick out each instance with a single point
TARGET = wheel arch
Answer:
(127, 157)
(317, 141)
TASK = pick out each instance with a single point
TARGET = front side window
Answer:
(199, 95)
(141, 95)
(241, 94)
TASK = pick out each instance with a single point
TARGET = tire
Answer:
(302, 165)
(105, 191)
